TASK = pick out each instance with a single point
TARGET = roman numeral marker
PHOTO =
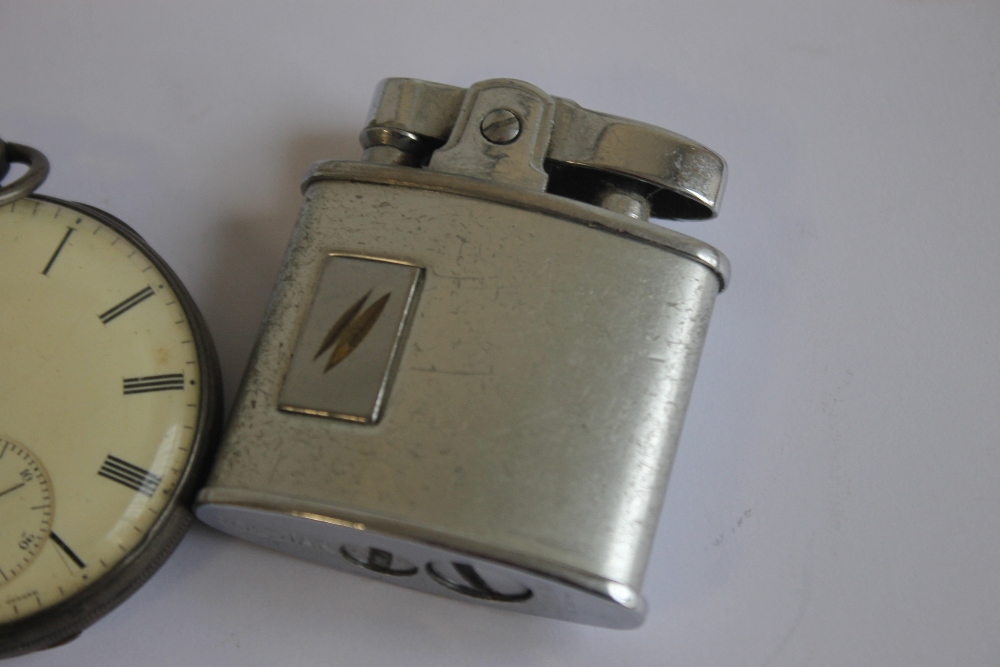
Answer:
(126, 305)
(129, 475)
(153, 383)
(45, 271)
(66, 550)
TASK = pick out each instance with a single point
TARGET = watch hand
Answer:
(13, 488)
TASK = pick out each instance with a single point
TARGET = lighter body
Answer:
(503, 429)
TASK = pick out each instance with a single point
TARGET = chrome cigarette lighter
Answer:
(474, 368)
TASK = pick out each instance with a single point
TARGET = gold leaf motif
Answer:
(350, 329)
(340, 324)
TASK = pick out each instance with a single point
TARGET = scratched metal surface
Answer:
(833, 497)
(590, 341)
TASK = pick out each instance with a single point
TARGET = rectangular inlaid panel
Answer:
(343, 363)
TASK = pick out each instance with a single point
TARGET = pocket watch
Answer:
(110, 398)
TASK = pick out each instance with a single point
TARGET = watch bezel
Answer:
(65, 620)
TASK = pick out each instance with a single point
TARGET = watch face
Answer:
(102, 408)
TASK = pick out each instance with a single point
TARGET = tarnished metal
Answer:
(521, 458)
(561, 207)
(500, 126)
(516, 163)
(38, 171)
(680, 178)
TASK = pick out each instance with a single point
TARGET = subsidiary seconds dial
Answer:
(26, 503)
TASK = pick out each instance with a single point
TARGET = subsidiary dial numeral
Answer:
(126, 305)
(130, 475)
(149, 383)
(52, 260)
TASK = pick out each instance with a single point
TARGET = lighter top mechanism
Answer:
(563, 148)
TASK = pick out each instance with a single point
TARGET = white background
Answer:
(835, 498)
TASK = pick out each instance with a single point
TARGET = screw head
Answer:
(500, 126)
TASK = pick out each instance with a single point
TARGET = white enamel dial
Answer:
(99, 402)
